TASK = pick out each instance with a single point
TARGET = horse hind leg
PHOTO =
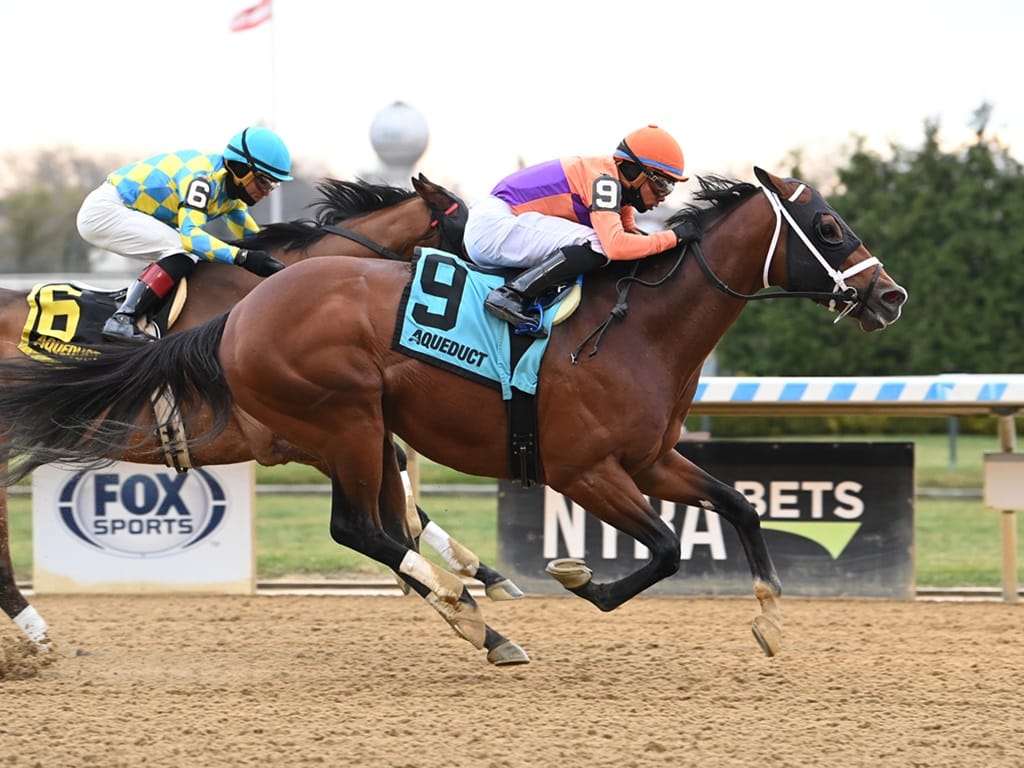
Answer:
(443, 591)
(456, 555)
(500, 650)
(463, 561)
(13, 603)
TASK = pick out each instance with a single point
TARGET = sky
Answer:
(737, 82)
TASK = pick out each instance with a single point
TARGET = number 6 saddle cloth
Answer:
(66, 319)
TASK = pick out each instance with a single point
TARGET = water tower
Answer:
(399, 136)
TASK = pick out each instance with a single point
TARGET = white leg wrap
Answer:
(444, 585)
(459, 559)
(412, 517)
(34, 626)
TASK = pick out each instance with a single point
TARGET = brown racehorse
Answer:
(353, 218)
(331, 383)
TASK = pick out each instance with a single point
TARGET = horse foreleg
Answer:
(457, 556)
(608, 492)
(675, 478)
(13, 603)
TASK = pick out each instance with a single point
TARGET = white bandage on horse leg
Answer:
(446, 586)
(459, 559)
(34, 626)
(412, 516)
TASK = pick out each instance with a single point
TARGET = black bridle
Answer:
(451, 222)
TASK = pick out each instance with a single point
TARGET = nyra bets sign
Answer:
(837, 518)
(142, 528)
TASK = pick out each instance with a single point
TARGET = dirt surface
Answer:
(382, 681)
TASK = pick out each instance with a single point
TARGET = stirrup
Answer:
(118, 330)
(531, 327)
(512, 312)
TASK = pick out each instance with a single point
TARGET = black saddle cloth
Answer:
(67, 319)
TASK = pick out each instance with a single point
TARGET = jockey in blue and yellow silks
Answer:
(157, 210)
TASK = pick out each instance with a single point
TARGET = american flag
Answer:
(251, 17)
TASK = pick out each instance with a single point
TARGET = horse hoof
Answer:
(504, 590)
(768, 634)
(570, 572)
(507, 654)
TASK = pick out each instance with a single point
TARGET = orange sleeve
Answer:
(620, 245)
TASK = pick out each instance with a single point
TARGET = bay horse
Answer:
(330, 382)
(362, 219)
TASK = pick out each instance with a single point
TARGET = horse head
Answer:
(448, 212)
(824, 258)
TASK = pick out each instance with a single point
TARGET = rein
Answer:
(621, 307)
(362, 240)
(843, 293)
(387, 253)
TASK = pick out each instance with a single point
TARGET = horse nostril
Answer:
(894, 296)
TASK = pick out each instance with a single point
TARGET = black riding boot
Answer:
(509, 301)
(121, 325)
(156, 283)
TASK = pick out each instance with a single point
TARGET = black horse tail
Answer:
(90, 411)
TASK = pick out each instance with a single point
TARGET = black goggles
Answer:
(663, 184)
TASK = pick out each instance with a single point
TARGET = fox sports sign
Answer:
(141, 514)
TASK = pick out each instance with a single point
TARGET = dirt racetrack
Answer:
(328, 680)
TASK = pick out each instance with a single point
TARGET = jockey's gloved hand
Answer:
(687, 232)
(258, 262)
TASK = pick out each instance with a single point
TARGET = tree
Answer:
(948, 226)
(37, 216)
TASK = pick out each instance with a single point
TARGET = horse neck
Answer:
(399, 228)
(695, 310)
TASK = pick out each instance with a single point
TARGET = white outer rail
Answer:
(954, 394)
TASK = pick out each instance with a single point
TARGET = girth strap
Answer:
(171, 430)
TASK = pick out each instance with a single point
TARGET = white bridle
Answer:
(838, 277)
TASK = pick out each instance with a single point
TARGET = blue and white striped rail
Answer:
(943, 395)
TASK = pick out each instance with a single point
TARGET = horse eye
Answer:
(829, 231)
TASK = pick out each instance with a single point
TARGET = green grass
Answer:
(293, 540)
(957, 542)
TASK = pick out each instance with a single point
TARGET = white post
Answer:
(1008, 517)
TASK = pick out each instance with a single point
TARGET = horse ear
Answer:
(766, 179)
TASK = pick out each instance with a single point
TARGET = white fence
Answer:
(997, 395)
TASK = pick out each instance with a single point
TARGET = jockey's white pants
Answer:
(106, 222)
(496, 237)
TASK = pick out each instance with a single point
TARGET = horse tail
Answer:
(92, 410)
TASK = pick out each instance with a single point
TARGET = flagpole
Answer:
(275, 199)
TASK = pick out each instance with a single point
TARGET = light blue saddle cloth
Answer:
(442, 321)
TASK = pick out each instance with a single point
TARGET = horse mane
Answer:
(715, 198)
(340, 200)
